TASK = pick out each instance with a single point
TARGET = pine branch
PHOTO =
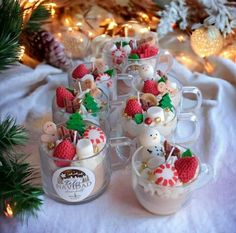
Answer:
(16, 189)
(11, 23)
(11, 135)
(39, 16)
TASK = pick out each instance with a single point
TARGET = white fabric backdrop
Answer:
(27, 94)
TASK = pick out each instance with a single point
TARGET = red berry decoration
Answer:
(148, 121)
(133, 107)
(64, 150)
(186, 168)
(62, 94)
(80, 71)
(150, 86)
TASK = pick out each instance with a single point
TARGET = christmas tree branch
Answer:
(18, 195)
(11, 24)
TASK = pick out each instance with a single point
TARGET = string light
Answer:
(8, 212)
(22, 52)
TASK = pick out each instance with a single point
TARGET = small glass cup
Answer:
(131, 66)
(167, 129)
(81, 180)
(177, 98)
(166, 200)
(107, 86)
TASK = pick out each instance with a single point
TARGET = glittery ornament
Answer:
(206, 41)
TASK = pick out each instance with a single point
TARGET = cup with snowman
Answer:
(164, 175)
(146, 111)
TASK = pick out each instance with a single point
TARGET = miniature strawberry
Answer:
(133, 107)
(186, 168)
(80, 71)
(150, 86)
(64, 150)
(62, 94)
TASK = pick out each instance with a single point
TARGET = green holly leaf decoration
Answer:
(134, 56)
(162, 79)
(138, 118)
(187, 153)
(124, 43)
(118, 44)
(70, 90)
(109, 72)
(90, 104)
(76, 122)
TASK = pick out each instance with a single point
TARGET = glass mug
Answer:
(81, 180)
(165, 200)
(167, 129)
(177, 99)
(107, 86)
(131, 66)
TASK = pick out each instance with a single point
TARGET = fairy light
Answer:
(51, 7)
(90, 34)
(208, 67)
(8, 212)
(181, 38)
(22, 52)
(112, 25)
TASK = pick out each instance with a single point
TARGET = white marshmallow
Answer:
(155, 112)
(84, 148)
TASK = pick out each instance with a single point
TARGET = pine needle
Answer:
(11, 135)
(10, 29)
(16, 188)
(39, 16)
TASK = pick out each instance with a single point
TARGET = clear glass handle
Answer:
(196, 131)
(124, 158)
(128, 78)
(204, 177)
(195, 91)
(164, 55)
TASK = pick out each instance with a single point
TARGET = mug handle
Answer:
(169, 58)
(204, 177)
(123, 159)
(196, 132)
(124, 77)
(195, 91)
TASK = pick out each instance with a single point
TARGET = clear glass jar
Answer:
(164, 200)
(81, 180)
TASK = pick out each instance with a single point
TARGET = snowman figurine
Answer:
(146, 72)
(150, 139)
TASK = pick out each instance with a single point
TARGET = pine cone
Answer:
(42, 45)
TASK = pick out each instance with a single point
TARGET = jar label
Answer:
(73, 184)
